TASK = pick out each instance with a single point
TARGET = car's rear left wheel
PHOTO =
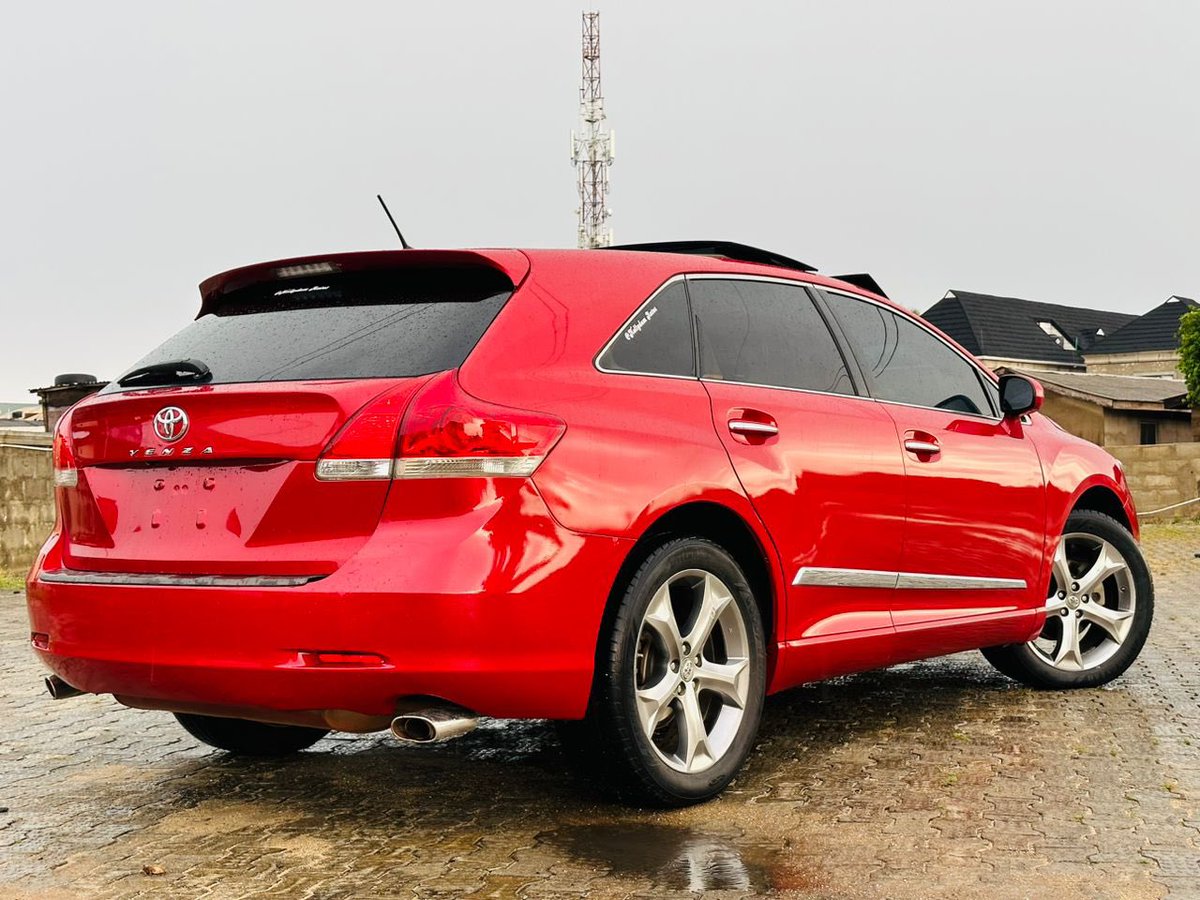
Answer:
(248, 738)
(681, 675)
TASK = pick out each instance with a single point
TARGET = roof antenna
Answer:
(403, 242)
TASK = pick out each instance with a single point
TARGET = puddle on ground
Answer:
(679, 858)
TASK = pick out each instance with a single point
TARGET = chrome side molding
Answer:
(815, 576)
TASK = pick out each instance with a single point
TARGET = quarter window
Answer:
(759, 332)
(658, 340)
(906, 363)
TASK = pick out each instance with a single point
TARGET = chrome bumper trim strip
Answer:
(140, 579)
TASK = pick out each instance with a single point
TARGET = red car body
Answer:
(237, 582)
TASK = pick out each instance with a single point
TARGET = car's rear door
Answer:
(973, 535)
(821, 465)
(216, 474)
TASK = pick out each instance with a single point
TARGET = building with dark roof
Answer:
(1149, 345)
(1116, 410)
(1009, 331)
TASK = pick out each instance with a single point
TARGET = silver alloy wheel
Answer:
(1089, 612)
(692, 673)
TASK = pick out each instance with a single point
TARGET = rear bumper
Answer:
(504, 628)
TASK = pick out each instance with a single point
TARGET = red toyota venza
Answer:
(634, 490)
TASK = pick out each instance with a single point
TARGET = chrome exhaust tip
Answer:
(60, 690)
(434, 724)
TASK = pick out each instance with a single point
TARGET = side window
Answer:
(905, 362)
(760, 332)
(658, 340)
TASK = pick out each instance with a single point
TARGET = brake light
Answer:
(447, 433)
(365, 447)
(66, 475)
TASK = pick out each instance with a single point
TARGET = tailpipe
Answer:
(60, 690)
(434, 724)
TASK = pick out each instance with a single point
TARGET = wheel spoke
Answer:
(730, 680)
(1109, 562)
(1067, 654)
(653, 701)
(713, 600)
(661, 617)
(1116, 622)
(693, 738)
(1062, 571)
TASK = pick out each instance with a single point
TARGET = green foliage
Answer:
(11, 581)
(1189, 353)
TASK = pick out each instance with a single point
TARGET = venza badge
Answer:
(170, 423)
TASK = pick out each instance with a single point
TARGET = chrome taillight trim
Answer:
(466, 467)
(66, 478)
(415, 467)
(354, 469)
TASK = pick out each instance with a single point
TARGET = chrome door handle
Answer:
(915, 446)
(749, 426)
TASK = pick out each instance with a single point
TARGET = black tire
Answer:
(612, 736)
(246, 738)
(1023, 663)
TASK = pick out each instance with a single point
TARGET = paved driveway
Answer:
(935, 778)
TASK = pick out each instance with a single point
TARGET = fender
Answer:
(1073, 471)
(737, 503)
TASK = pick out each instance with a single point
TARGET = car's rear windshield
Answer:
(348, 325)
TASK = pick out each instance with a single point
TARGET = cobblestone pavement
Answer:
(938, 778)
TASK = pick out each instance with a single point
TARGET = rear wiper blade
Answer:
(175, 371)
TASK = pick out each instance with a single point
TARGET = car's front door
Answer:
(821, 465)
(975, 510)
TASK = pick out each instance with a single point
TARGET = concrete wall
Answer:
(1147, 362)
(1162, 474)
(1124, 427)
(26, 497)
(1079, 417)
(1115, 427)
(1030, 365)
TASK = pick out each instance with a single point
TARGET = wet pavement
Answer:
(939, 778)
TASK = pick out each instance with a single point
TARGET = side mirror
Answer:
(1019, 394)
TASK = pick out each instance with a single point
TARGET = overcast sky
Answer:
(1048, 150)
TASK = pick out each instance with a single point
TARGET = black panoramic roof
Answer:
(1010, 328)
(1156, 330)
(722, 250)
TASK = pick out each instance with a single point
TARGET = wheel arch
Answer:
(729, 530)
(1102, 498)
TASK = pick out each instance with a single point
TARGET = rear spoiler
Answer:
(512, 264)
(864, 281)
(721, 250)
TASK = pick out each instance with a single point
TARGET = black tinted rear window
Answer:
(658, 341)
(355, 325)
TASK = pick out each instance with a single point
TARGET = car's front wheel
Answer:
(681, 675)
(249, 738)
(1098, 612)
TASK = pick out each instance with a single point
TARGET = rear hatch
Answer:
(202, 458)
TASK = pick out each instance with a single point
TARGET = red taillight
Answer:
(65, 473)
(446, 433)
(363, 450)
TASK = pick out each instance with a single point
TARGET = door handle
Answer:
(752, 428)
(914, 445)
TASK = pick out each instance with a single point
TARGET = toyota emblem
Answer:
(170, 423)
